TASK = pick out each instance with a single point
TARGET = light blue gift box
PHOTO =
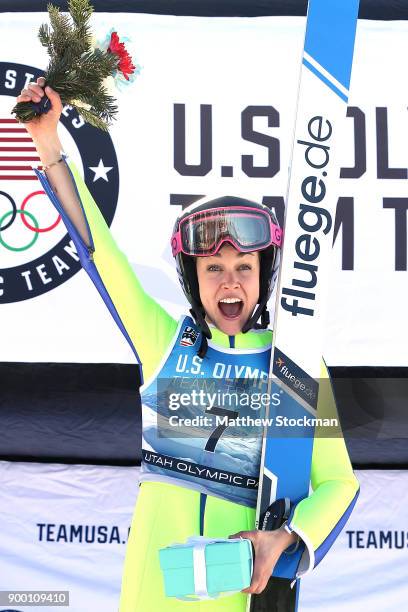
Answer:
(205, 567)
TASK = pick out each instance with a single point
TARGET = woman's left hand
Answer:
(268, 546)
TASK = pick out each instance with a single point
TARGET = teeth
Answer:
(230, 300)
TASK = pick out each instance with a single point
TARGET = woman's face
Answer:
(229, 287)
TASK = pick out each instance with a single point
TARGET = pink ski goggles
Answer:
(202, 233)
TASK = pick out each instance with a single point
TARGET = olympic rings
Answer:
(13, 212)
(37, 229)
(36, 235)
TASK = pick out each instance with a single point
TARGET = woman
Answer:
(228, 287)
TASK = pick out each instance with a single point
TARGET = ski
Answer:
(304, 274)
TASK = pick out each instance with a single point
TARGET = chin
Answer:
(230, 328)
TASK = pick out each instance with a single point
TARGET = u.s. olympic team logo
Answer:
(36, 252)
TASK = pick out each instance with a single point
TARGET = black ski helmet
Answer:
(187, 273)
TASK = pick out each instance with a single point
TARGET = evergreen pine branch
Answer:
(44, 34)
(96, 66)
(62, 31)
(94, 120)
(81, 12)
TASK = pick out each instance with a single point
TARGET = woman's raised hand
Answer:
(43, 129)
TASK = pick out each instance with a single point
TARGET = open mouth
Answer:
(231, 308)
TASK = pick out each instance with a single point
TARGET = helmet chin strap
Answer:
(260, 311)
(267, 257)
(198, 314)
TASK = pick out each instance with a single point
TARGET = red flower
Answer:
(125, 61)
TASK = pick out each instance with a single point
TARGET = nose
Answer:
(230, 280)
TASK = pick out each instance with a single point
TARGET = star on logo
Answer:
(101, 171)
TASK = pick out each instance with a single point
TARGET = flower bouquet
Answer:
(81, 71)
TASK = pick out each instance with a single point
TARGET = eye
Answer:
(245, 266)
(213, 268)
